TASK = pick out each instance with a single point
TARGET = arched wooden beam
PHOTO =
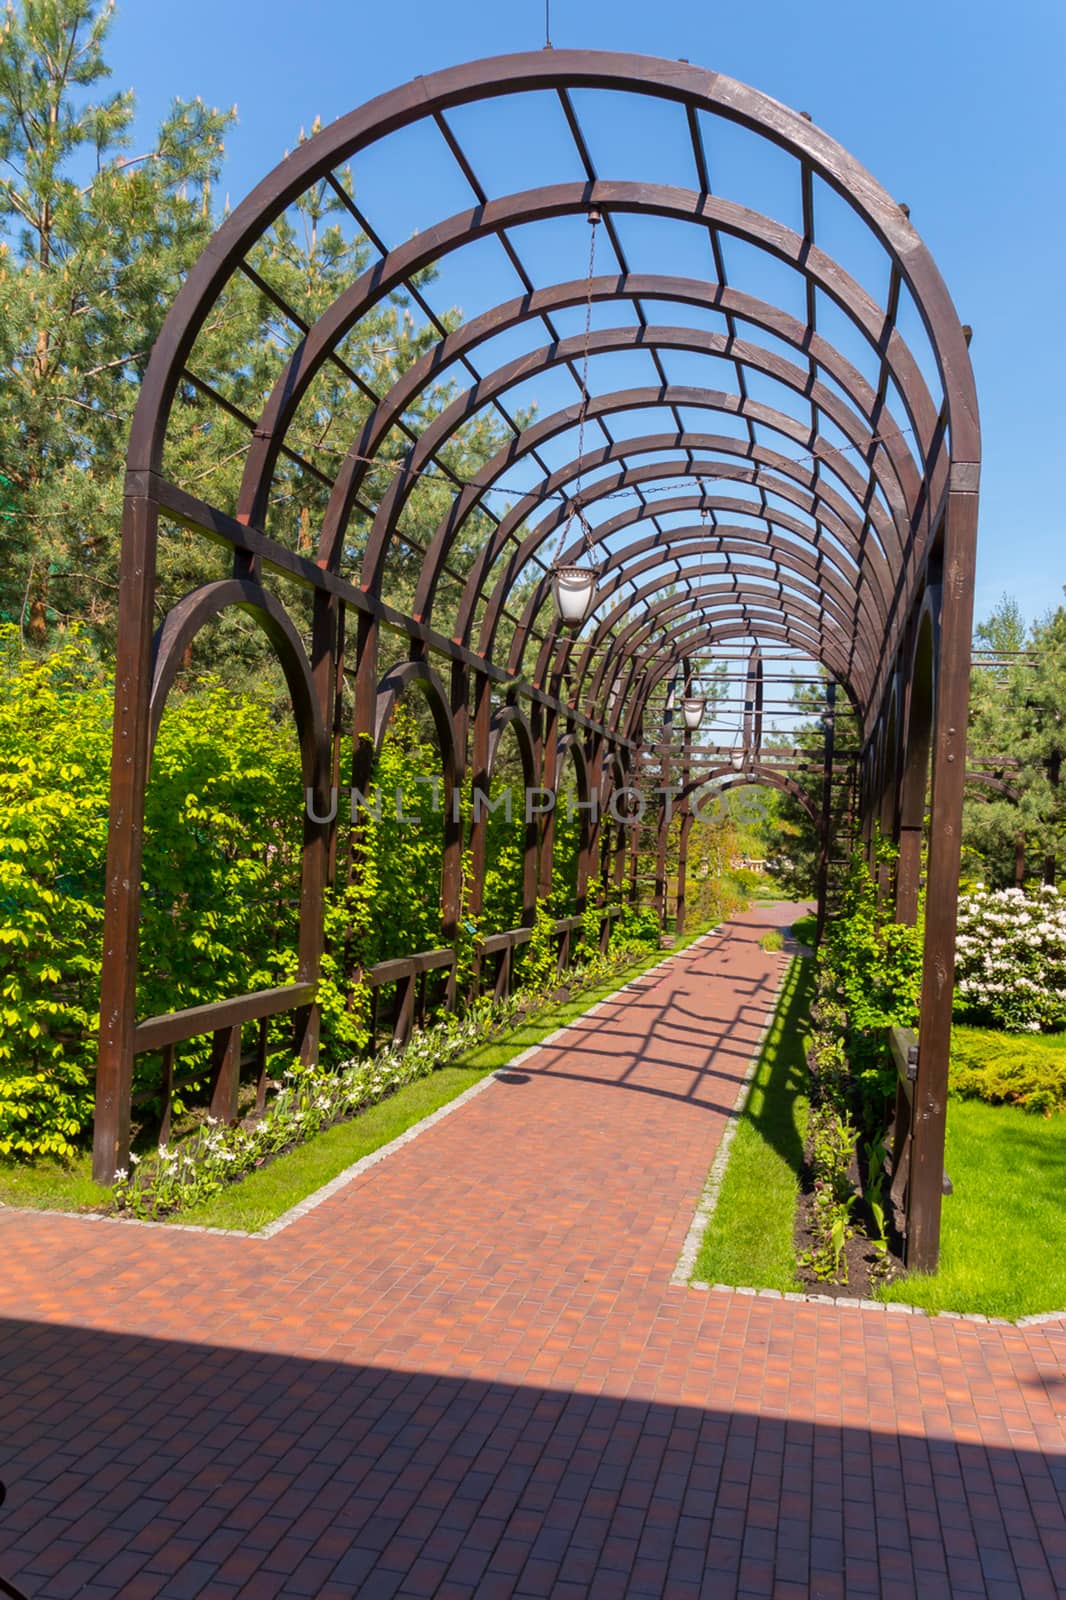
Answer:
(737, 581)
(698, 608)
(689, 637)
(645, 475)
(687, 86)
(663, 561)
(692, 546)
(988, 780)
(752, 776)
(394, 685)
(827, 528)
(437, 241)
(434, 364)
(836, 536)
(505, 717)
(898, 481)
(201, 606)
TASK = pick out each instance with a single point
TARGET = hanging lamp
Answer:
(574, 582)
(693, 705)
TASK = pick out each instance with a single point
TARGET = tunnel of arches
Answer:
(700, 353)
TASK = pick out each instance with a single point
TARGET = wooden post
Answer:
(828, 743)
(681, 906)
(662, 829)
(167, 1092)
(225, 1073)
(122, 885)
(405, 1008)
(945, 843)
(319, 841)
(261, 1064)
(549, 781)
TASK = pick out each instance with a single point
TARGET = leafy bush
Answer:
(1005, 1069)
(869, 977)
(55, 718)
(1011, 959)
(221, 862)
(635, 926)
(875, 962)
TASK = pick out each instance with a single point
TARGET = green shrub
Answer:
(635, 926)
(222, 842)
(55, 719)
(1008, 1069)
(875, 962)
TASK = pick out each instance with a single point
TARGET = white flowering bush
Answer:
(1011, 958)
(311, 1099)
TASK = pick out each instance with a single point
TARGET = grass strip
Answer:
(749, 1239)
(46, 1185)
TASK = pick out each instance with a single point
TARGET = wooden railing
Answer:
(223, 1019)
(410, 975)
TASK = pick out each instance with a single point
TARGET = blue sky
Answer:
(955, 108)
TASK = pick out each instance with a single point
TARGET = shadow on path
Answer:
(142, 1467)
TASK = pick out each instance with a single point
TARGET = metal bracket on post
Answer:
(903, 1047)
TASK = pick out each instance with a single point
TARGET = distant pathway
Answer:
(468, 1374)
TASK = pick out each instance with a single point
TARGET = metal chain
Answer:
(574, 510)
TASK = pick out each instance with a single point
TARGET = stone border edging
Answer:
(851, 1303)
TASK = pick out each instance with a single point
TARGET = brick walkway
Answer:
(467, 1373)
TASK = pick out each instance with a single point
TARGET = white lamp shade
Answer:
(573, 589)
(737, 760)
(692, 707)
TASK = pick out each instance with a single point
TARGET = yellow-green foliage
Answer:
(221, 859)
(1009, 1068)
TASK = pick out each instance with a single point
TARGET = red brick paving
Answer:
(468, 1373)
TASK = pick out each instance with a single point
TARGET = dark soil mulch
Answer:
(862, 1272)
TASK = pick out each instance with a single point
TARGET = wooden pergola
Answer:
(796, 475)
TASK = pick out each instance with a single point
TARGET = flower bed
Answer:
(868, 978)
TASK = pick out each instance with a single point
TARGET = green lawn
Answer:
(805, 929)
(749, 1238)
(266, 1194)
(52, 1185)
(1003, 1238)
